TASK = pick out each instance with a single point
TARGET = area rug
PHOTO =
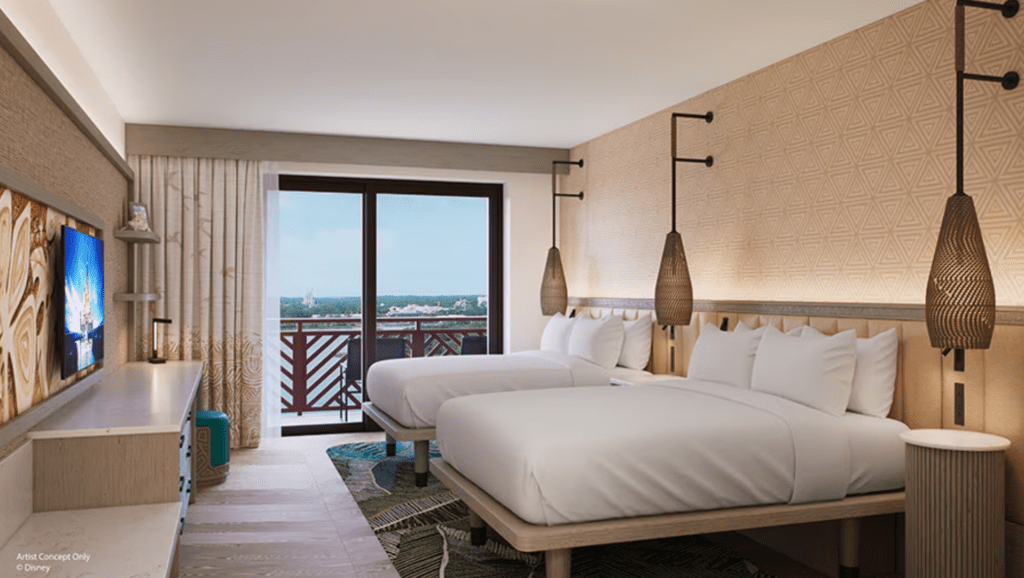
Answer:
(425, 531)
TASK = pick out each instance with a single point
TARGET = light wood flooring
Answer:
(285, 512)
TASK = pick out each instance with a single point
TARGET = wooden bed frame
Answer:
(396, 432)
(557, 542)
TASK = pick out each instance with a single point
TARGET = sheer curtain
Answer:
(208, 273)
(271, 311)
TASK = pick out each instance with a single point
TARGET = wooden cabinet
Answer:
(127, 441)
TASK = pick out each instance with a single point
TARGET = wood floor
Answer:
(285, 512)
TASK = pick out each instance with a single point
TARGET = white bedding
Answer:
(562, 456)
(411, 390)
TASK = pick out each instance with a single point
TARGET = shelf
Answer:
(133, 236)
(136, 296)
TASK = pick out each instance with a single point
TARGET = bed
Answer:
(405, 394)
(573, 478)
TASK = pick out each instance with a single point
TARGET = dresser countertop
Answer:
(138, 398)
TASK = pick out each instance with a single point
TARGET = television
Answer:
(82, 270)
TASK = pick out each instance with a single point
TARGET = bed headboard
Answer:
(993, 378)
(917, 399)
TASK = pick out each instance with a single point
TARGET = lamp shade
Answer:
(960, 303)
(554, 295)
(673, 295)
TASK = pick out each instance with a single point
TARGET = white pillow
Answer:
(556, 334)
(598, 341)
(636, 345)
(874, 379)
(816, 372)
(724, 356)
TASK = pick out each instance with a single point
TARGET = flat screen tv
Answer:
(82, 267)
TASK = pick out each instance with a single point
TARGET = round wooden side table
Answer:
(955, 508)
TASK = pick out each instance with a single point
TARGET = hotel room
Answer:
(833, 136)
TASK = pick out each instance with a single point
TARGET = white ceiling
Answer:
(521, 72)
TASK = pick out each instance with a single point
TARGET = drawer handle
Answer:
(189, 490)
(188, 454)
(181, 441)
(181, 483)
(182, 531)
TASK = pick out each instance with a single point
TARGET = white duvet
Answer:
(561, 456)
(411, 390)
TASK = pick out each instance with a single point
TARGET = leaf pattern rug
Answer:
(425, 531)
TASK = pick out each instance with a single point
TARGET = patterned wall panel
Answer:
(831, 172)
(30, 309)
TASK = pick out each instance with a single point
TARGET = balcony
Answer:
(314, 356)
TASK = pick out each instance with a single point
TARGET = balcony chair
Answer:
(473, 345)
(352, 372)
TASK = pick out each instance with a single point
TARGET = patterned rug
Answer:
(425, 531)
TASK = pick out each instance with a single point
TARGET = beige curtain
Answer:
(208, 272)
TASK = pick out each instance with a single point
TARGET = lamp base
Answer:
(157, 360)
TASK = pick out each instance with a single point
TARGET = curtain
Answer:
(271, 309)
(208, 273)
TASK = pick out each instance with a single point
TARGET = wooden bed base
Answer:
(396, 432)
(557, 542)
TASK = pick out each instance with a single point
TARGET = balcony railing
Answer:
(314, 354)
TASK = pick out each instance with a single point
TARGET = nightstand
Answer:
(955, 504)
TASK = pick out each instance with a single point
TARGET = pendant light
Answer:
(673, 293)
(554, 294)
(960, 301)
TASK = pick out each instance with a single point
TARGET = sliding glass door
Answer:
(373, 269)
(432, 276)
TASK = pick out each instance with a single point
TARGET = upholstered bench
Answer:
(212, 445)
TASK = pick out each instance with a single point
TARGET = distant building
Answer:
(308, 300)
(481, 301)
(415, 309)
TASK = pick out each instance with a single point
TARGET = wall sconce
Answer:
(960, 302)
(673, 293)
(554, 294)
(155, 357)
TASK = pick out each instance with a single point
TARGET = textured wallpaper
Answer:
(831, 172)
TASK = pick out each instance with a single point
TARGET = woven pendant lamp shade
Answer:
(673, 294)
(554, 294)
(960, 303)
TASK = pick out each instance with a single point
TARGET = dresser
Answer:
(113, 469)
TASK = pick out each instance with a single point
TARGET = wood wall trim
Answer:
(894, 311)
(22, 52)
(181, 141)
(17, 182)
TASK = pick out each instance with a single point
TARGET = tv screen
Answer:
(82, 345)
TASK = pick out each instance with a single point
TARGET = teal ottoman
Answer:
(212, 445)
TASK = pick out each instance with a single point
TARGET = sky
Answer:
(426, 245)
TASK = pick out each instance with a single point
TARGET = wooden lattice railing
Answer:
(314, 354)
